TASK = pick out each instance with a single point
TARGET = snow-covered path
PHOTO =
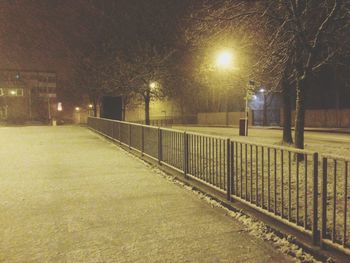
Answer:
(66, 195)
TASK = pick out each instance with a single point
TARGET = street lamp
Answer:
(77, 109)
(153, 85)
(224, 59)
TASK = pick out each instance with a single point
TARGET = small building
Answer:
(27, 95)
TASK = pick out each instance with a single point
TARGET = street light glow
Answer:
(224, 59)
(90, 106)
(153, 85)
(77, 108)
(13, 92)
(262, 90)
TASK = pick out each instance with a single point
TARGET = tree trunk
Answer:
(287, 113)
(147, 101)
(300, 114)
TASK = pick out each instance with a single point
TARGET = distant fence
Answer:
(313, 118)
(282, 183)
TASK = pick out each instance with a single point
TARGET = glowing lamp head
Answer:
(77, 109)
(153, 85)
(224, 59)
(90, 106)
(13, 92)
(262, 90)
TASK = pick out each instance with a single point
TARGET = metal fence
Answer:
(281, 182)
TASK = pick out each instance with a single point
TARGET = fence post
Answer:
(159, 146)
(185, 156)
(129, 136)
(228, 171)
(120, 134)
(324, 200)
(142, 140)
(315, 232)
(232, 155)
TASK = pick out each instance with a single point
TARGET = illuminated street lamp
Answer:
(153, 85)
(77, 109)
(224, 59)
(13, 92)
(90, 106)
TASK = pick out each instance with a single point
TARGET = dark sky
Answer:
(47, 34)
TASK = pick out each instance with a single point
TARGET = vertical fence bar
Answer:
(228, 167)
(232, 149)
(241, 168)
(297, 193)
(216, 162)
(334, 201)
(289, 187)
(282, 184)
(268, 180)
(324, 200)
(345, 202)
(142, 140)
(120, 139)
(315, 199)
(246, 171)
(129, 136)
(159, 146)
(275, 180)
(256, 175)
(251, 174)
(262, 177)
(185, 154)
(305, 192)
(220, 162)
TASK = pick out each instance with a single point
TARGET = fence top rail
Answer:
(270, 146)
(277, 147)
(335, 157)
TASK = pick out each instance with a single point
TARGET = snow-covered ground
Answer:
(66, 195)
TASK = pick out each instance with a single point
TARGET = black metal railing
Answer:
(281, 182)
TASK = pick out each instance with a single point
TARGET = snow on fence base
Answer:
(271, 179)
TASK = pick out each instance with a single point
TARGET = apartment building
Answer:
(27, 95)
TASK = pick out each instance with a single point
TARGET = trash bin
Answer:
(242, 127)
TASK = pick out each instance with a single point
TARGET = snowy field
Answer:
(66, 195)
(322, 142)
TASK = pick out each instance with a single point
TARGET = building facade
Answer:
(27, 95)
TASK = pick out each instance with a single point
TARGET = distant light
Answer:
(224, 59)
(254, 97)
(153, 85)
(90, 106)
(262, 90)
(13, 92)
(77, 109)
(17, 76)
(59, 106)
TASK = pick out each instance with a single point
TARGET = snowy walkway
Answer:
(66, 195)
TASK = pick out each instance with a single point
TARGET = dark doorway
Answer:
(112, 108)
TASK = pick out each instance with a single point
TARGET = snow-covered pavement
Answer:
(67, 195)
